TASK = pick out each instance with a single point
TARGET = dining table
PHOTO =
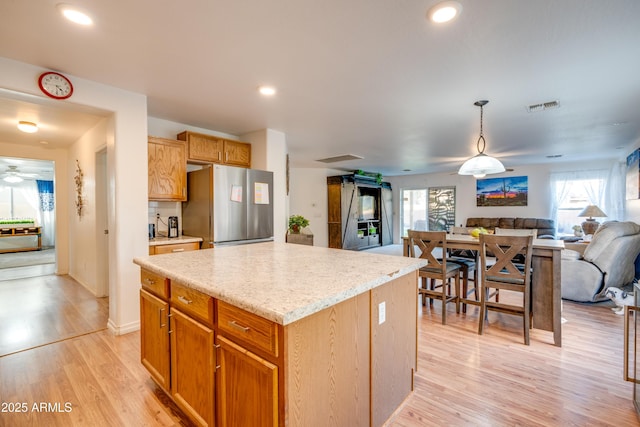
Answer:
(546, 300)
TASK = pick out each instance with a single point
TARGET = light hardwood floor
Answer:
(463, 379)
(39, 310)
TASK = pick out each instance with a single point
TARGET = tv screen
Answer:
(367, 207)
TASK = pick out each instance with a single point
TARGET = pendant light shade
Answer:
(481, 164)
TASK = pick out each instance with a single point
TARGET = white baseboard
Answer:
(124, 329)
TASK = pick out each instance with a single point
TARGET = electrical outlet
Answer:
(157, 215)
(382, 312)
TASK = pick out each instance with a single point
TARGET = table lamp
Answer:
(591, 225)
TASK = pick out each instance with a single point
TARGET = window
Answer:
(414, 210)
(573, 191)
(576, 200)
(13, 203)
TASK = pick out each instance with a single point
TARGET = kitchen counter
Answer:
(172, 241)
(278, 281)
(285, 324)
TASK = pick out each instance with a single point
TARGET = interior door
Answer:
(102, 226)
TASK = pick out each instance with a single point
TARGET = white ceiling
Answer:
(370, 78)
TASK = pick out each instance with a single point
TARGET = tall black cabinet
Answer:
(360, 212)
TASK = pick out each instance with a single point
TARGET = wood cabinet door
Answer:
(247, 388)
(154, 337)
(167, 170)
(192, 368)
(237, 153)
(205, 148)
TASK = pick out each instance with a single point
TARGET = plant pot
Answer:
(295, 229)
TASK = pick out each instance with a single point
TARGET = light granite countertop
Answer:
(281, 282)
(173, 240)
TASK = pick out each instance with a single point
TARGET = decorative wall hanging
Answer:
(633, 175)
(442, 208)
(511, 191)
(78, 180)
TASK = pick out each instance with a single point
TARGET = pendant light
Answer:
(481, 164)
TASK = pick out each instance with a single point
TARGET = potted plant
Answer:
(297, 223)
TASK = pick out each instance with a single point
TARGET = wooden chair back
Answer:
(426, 242)
(507, 251)
(516, 232)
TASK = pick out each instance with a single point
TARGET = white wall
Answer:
(82, 244)
(126, 138)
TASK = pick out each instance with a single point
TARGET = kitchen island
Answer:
(281, 334)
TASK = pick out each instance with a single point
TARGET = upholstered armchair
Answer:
(607, 261)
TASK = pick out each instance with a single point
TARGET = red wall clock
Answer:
(55, 85)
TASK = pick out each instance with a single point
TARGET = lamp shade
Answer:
(592, 211)
(481, 165)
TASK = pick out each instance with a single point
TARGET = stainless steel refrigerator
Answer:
(228, 205)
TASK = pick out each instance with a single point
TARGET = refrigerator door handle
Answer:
(627, 329)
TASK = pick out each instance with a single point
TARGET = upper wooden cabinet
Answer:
(167, 170)
(213, 149)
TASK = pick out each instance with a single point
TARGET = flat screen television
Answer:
(367, 206)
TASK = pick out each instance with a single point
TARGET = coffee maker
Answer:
(173, 227)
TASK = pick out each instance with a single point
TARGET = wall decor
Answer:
(441, 208)
(509, 191)
(78, 180)
(633, 175)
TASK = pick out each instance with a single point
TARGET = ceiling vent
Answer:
(544, 106)
(340, 158)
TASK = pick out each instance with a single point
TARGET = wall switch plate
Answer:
(382, 312)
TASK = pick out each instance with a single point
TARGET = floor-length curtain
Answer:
(47, 212)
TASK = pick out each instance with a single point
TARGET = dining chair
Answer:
(422, 244)
(517, 232)
(505, 274)
(468, 261)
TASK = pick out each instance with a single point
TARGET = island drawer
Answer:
(192, 302)
(248, 327)
(154, 283)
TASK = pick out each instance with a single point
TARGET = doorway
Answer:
(27, 218)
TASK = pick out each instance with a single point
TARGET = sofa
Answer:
(546, 227)
(587, 270)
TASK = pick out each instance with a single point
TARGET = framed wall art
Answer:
(509, 191)
(633, 175)
(442, 208)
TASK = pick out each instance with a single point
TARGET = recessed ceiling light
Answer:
(28, 127)
(444, 12)
(267, 90)
(75, 15)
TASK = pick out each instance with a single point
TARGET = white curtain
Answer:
(45, 218)
(604, 188)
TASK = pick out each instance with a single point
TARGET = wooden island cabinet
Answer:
(260, 352)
